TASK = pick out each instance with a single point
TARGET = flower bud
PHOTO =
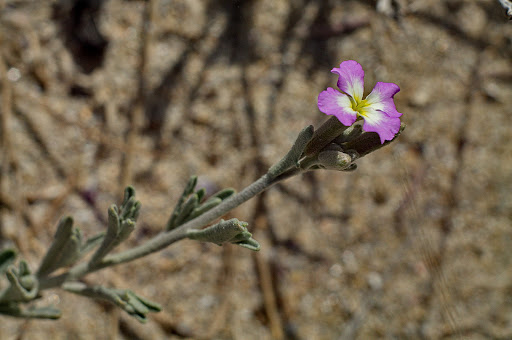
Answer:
(334, 160)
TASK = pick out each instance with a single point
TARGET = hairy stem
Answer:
(164, 239)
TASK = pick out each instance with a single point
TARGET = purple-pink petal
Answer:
(381, 98)
(378, 121)
(351, 78)
(332, 102)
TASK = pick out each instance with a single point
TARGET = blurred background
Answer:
(415, 244)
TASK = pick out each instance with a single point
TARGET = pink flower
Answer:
(377, 109)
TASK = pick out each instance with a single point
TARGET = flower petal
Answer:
(332, 102)
(378, 121)
(381, 98)
(351, 79)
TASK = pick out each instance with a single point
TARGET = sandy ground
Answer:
(415, 244)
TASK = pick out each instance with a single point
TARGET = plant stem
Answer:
(164, 239)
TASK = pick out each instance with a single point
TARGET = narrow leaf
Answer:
(91, 242)
(70, 252)
(224, 193)
(16, 292)
(209, 204)
(292, 157)
(62, 235)
(200, 194)
(113, 228)
(189, 205)
(189, 188)
(127, 227)
(7, 257)
(129, 193)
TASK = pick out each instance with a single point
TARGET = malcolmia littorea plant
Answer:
(357, 127)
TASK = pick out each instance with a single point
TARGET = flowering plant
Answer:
(335, 145)
(377, 109)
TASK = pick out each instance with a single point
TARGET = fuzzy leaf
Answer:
(113, 228)
(91, 243)
(209, 204)
(7, 257)
(60, 240)
(14, 310)
(188, 207)
(23, 286)
(292, 157)
(189, 188)
(130, 302)
(224, 193)
(200, 194)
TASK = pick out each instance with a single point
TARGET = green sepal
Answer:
(7, 257)
(350, 133)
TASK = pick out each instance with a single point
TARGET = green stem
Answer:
(164, 239)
